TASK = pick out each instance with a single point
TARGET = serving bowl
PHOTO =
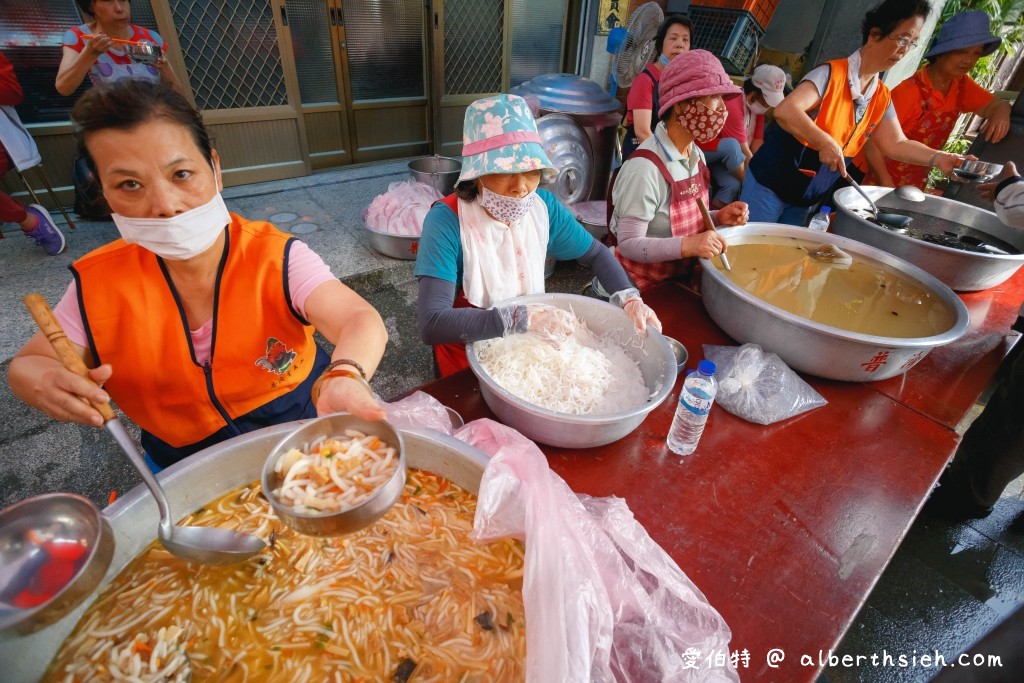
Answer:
(812, 347)
(142, 52)
(654, 357)
(54, 550)
(350, 519)
(976, 171)
(196, 481)
(963, 271)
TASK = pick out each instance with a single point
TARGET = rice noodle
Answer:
(587, 374)
(408, 587)
(333, 474)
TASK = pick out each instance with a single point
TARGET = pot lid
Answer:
(568, 147)
(568, 93)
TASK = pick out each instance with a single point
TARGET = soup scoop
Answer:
(894, 219)
(204, 545)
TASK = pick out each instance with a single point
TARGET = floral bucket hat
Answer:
(500, 136)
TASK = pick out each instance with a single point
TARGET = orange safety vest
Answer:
(836, 113)
(263, 352)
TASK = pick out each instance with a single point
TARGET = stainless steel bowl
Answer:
(143, 53)
(811, 347)
(976, 171)
(196, 481)
(396, 246)
(963, 271)
(439, 172)
(350, 519)
(654, 357)
(55, 547)
(679, 351)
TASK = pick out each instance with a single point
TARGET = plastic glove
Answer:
(640, 313)
(553, 325)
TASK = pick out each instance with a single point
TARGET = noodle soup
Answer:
(864, 296)
(409, 598)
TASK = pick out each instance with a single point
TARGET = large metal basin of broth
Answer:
(196, 481)
(963, 271)
(825, 349)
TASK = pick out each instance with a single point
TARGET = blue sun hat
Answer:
(500, 136)
(963, 30)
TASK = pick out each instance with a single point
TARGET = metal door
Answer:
(361, 72)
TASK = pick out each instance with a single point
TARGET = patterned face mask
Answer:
(703, 122)
(506, 209)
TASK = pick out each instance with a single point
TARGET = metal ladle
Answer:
(894, 219)
(205, 545)
(911, 193)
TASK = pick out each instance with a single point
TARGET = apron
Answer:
(685, 218)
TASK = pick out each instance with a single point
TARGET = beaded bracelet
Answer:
(331, 374)
(346, 361)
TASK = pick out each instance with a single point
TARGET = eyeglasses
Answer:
(904, 41)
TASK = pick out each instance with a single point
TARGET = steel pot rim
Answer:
(961, 315)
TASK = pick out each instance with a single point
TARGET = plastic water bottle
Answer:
(699, 389)
(820, 221)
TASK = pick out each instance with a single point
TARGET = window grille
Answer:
(473, 36)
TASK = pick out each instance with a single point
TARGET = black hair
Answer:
(86, 6)
(670, 21)
(749, 87)
(887, 16)
(467, 190)
(130, 102)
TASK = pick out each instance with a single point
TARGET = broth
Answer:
(409, 596)
(864, 297)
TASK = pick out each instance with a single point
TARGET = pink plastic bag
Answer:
(603, 601)
(401, 210)
(419, 410)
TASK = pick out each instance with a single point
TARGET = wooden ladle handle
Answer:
(69, 358)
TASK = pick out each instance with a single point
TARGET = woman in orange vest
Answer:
(488, 242)
(198, 323)
(929, 102)
(829, 116)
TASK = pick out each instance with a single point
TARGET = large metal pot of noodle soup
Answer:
(868, 320)
(214, 472)
(967, 248)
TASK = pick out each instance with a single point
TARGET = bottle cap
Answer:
(706, 367)
(826, 210)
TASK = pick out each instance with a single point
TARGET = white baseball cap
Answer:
(771, 81)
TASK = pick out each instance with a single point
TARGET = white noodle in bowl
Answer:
(409, 598)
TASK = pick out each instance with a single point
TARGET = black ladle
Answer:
(896, 220)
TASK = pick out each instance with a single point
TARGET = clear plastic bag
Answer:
(603, 601)
(419, 410)
(759, 386)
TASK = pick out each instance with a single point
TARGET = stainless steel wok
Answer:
(195, 482)
(963, 271)
(811, 347)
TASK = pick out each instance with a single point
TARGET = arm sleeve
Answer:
(1010, 202)
(567, 239)
(306, 272)
(602, 263)
(972, 96)
(635, 245)
(69, 315)
(440, 245)
(441, 323)
(819, 76)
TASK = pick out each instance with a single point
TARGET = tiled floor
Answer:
(947, 586)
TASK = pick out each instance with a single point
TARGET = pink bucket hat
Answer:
(693, 74)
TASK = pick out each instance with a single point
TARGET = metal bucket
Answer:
(812, 347)
(963, 271)
(439, 172)
(197, 480)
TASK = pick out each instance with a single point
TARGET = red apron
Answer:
(684, 216)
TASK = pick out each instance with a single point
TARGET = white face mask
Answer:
(506, 209)
(179, 237)
(756, 108)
